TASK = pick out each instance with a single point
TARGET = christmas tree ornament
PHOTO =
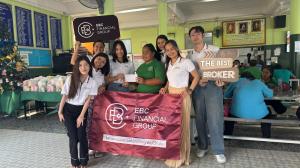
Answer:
(4, 72)
(19, 66)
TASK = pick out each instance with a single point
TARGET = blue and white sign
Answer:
(36, 57)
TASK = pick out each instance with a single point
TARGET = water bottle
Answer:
(280, 85)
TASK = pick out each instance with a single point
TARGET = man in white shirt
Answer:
(208, 101)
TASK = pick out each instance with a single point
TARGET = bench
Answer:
(272, 121)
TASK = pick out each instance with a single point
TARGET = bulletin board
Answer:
(24, 27)
(56, 33)
(36, 58)
(41, 30)
(244, 32)
(6, 20)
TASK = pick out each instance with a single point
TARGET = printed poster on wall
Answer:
(6, 21)
(24, 27)
(297, 46)
(244, 32)
(41, 30)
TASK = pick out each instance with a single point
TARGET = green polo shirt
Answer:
(151, 70)
(255, 71)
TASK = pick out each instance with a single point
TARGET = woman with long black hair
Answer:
(119, 67)
(160, 47)
(77, 92)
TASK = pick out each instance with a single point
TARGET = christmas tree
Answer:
(12, 69)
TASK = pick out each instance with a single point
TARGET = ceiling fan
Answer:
(94, 4)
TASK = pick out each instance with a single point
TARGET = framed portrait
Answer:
(243, 27)
(256, 25)
(230, 28)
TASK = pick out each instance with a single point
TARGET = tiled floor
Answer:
(29, 149)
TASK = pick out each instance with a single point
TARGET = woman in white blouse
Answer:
(119, 67)
(178, 71)
(101, 69)
(77, 92)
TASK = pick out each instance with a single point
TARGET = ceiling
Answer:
(179, 11)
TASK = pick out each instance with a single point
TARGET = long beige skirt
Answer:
(185, 146)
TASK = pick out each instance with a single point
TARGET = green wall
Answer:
(141, 36)
(66, 22)
(148, 34)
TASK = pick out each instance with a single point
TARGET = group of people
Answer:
(252, 93)
(164, 71)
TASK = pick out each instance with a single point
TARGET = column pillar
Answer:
(109, 8)
(163, 17)
(295, 36)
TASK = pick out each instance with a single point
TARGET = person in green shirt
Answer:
(284, 74)
(151, 74)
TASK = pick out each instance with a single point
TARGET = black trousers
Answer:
(277, 106)
(265, 127)
(76, 135)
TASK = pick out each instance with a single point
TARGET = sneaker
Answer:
(114, 154)
(92, 152)
(221, 158)
(201, 153)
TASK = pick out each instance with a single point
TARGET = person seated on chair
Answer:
(282, 74)
(267, 78)
(248, 96)
(253, 69)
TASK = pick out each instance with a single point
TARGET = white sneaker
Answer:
(114, 154)
(201, 153)
(221, 158)
(92, 152)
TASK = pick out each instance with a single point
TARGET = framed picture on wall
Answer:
(244, 32)
(256, 26)
(208, 39)
(243, 27)
(171, 36)
(230, 28)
